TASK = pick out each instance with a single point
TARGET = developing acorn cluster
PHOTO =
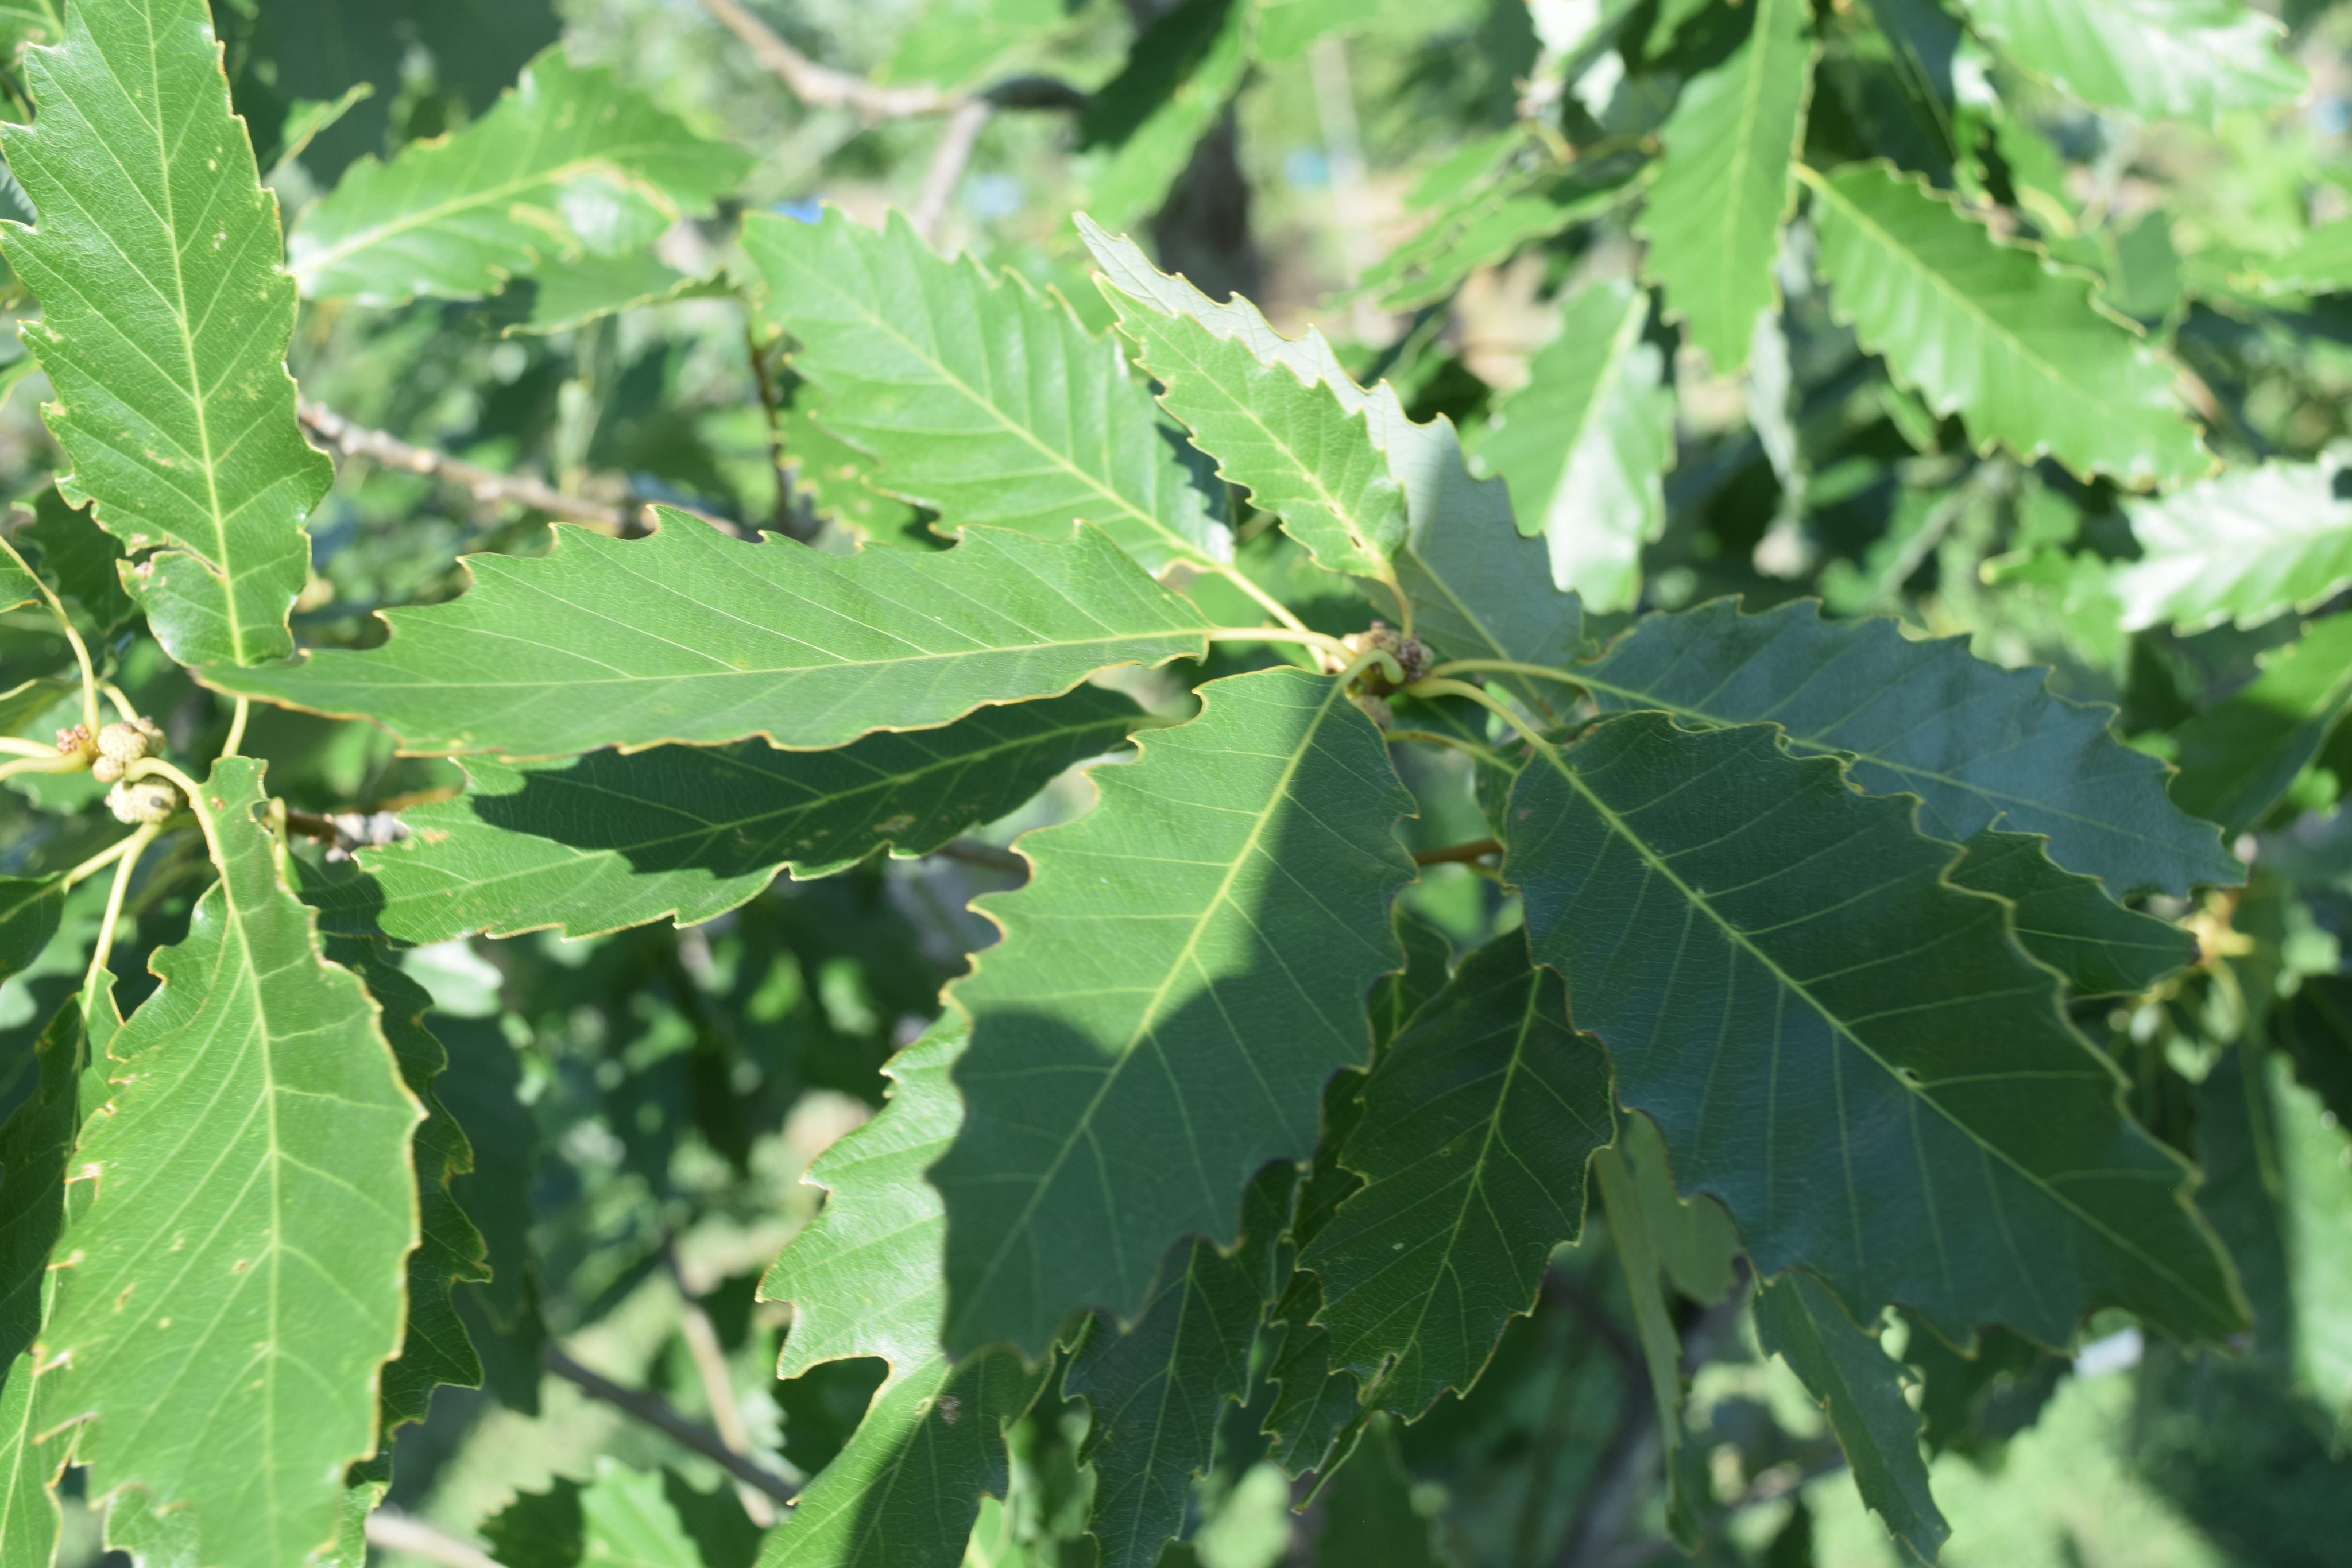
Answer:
(1371, 688)
(109, 754)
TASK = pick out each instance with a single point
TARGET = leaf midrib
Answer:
(230, 596)
(1738, 936)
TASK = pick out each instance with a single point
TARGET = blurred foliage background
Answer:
(642, 1105)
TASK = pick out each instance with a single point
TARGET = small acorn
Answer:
(146, 801)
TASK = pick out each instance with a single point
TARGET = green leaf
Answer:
(1478, 1122)
(1852, 1055)
(18, 586)
(1156, 1393)
(233, 1367)
(2239, 756)
(2012, 343)
(2320, 263)
(2185, 59)
(561, 294)
(568, 161)
(25, 21)
(2244, 546)
(597, 843)
(864, 1278)
(1723, 190)
(1970, 1404)
(2069, 923)
(1488, 201)
(2315, 1027)
(31, 907)
(1860, 1387)
(35, 1147)
(435, 1348)
(1185, 971)
(1478, 589)
(78, 558)
(1147, 120)
(176, 413)
(981, 398)
(1978, 744)
(1302, 454)
(1584, 445)
(958, 41)
(1370, 1521)
(689, 636)
(623, 1519)
(28, 1513)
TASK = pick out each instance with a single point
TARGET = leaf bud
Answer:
(1412, 654)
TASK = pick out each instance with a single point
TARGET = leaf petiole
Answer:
(1507, 667)
(126, 857)
(236, 727)
(156, 767)
(89, 715)
(1467, 749)
(1438, 686)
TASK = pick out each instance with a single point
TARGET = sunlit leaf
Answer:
(1478, 589)
(1185, 971)
(1144, 122)
(1584, 445)
(571, 161)
(1852, 1055)
(177, 415)
(1723, 190)
(2014, 344)
(435, 1348)
(980, 397)
(693, 637)
(2188, 59)
(2239, 756)
(1478, 1122)
(231, 1365)
(2244, 546)
(865, 1280)
(1978, 745)
(1299, 450)
(1487, 199)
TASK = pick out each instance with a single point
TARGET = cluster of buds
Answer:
(120, 745)
(77, 742)
(1411, 655)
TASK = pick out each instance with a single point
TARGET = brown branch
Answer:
(486, 485)
(390, 1530)
(949, 161)
(1458, 854)
(656, 1412)
(821, 87)
(973, 852)
(710, 1357)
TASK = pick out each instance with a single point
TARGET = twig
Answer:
(1458, 854)
(483, 484)
(710, 1358)
(347, 831)
(630, 521)
(949, 161)
(795, 515)
(391, 1529)
(656, 1412)
(971, 852)
(821, 87)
